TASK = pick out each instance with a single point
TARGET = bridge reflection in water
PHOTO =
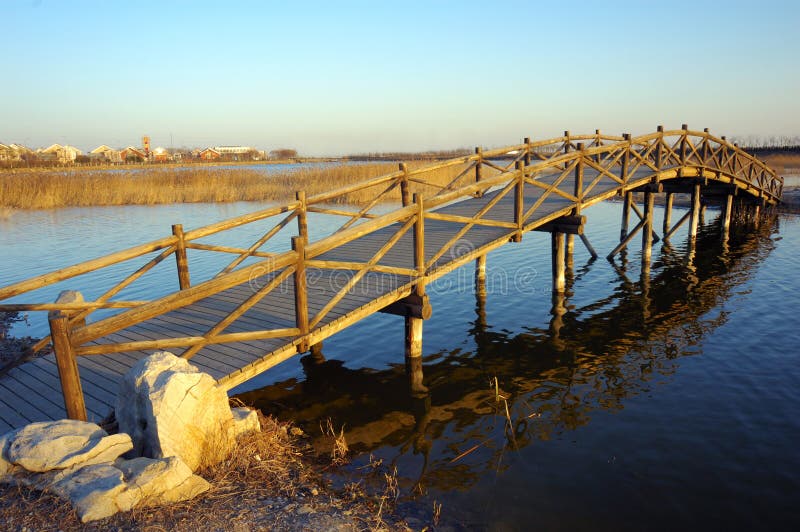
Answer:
(548, 380)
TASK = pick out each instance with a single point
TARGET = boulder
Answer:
(49, 445)
(158, 481)
(170, 408)
(245, 421)
(93, 491)
(5, 466)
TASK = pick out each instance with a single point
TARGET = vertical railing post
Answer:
(527, 157)
(302, 214)
(626, 157)
(478, 164)
(519, 200)
(705, 146)
(180, 257)
(597, 143)
(419, 245)
(684, 140)
(479, 168)
(578, 193)
(71, 389)
(658, 155)
(405, 193)
(300, 291)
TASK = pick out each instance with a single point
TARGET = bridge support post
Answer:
(414, 355)
(647, 231)
(626, 214)
(694, 217)
(667, 214)
(71, 389)
(725, 219)
(316, 353)
(413, 325)
(480, 275)
(559, 274)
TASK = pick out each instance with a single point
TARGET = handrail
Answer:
(720, 152)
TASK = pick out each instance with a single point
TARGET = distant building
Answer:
(233, 150)
(62, 154)
(132, 153)
(106, 153)
(210, 154)
(160, 155)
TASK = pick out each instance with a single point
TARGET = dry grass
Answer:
(267, 473)
(781, 162)
(45, 188)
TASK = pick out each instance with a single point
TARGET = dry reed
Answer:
(43, 188)
(783, 162)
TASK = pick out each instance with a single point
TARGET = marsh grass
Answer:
(783, 162)
(45, 188)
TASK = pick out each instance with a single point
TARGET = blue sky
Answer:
(342, 77)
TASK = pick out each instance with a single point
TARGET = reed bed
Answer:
(44, 189)
(783, 162)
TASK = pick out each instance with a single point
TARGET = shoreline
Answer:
(280, 483)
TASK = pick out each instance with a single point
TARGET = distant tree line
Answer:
(773, 143)
(409, 156)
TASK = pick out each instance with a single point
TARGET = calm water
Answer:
(669, 402)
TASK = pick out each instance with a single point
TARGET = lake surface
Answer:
(661, 402)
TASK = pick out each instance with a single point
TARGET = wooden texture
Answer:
(67, 366)
(180, 257)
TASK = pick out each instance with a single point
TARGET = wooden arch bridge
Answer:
(265, 307)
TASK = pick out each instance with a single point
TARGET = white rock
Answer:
(170, 408)
(49, 445)
(245, 421)
(158, 481)
(93, 491)
(6, 467)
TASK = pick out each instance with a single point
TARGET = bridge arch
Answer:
(264, 307)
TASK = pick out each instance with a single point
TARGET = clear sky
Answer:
(341, 77)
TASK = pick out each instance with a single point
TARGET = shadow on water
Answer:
(512, 390)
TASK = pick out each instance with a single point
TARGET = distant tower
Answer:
(146, 145)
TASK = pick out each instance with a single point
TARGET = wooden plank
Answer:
(39, 404)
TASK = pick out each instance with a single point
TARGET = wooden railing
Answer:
(569, 167)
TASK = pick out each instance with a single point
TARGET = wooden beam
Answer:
(588, 245)
(411, 306)
(67, 365)
(694, 218)
(413, 339)
(571, 225)
(647, 229)
(300, 290)
(725, 218)
(626, 213)
(627, 240)
(180, 257)
(558, 262)
(667, 214)
(519, 200)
